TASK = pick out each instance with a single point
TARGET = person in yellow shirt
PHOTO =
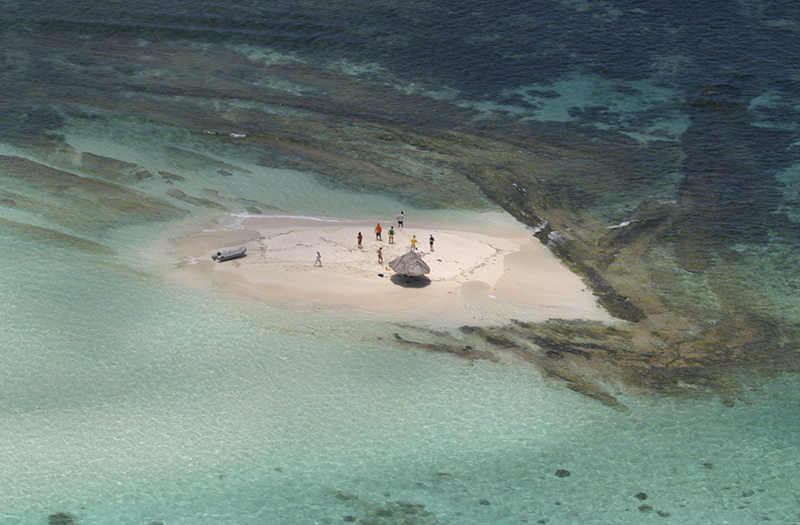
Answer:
(414, 242)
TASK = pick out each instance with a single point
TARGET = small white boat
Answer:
(229, 254)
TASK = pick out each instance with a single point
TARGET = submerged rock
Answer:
(465, 352)
(344, 496)
(110, 168)
(399, 510)
(194, 201)
(55, 238)
(89, 204)
(62, 518)
(171, 177)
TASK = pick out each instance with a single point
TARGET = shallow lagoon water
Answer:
(159, 403)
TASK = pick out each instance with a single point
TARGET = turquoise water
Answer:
(129, 399)
(156, 403)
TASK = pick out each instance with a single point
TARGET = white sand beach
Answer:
(477, 275)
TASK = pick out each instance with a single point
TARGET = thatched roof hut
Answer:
(410, 264)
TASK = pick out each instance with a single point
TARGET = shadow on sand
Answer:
(410, 282)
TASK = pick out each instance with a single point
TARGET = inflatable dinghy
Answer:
(230, 254)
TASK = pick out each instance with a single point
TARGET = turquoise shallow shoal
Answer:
(125, 400)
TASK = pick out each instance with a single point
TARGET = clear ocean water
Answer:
(128, 399)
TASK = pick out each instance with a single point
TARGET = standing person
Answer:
(318, 262)
(359, 241)
(391, 234)
(400, 219)
(378, 232)
(431, 241)
(413, 242)
(380, 255)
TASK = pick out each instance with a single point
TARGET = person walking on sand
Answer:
(400, 219)
(413, 242)
(359, 241)
(391, 234)
(431, 241)
(380, 255)
(378, 232)
(318, 262)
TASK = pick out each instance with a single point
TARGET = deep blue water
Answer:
(729, 70)
(482, 50)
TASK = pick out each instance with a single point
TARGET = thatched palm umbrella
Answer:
(410, 264)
